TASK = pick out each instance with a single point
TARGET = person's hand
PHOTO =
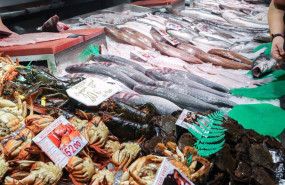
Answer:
(277, 50)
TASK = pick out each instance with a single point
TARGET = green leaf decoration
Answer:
(88, 51)
(209, 133)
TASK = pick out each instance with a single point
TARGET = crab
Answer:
(125, 155)
(37, 123)
(4, 167)
(40, 173)
(103, 177)
(178, 159)
(11, 116)
(80, 170)
(8, 71)
(15, 148)
(142, 171)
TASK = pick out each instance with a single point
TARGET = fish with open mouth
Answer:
(263, 65)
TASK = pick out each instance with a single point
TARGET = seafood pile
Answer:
(123, 137)
(163, 63)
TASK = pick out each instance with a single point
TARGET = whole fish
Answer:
(244, 47)
(174, 52)
(152, 23)
(212, 42)
(141, 27)
(119, 60)
(204, 15)
(230, 55)
(185, 36)
(132, 73)
(125, 38)
(191, 49)
(263, 65)
(124, 88)
(102, 70)
(163, 106)
(201, 80)
(178, 98)
(238, 21)
(213, 35)
(141, 37)
(196, 93)
(219, 61)
(158, 75)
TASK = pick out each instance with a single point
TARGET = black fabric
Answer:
(282, 102)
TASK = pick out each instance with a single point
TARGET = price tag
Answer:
(60, 141)
(171, 40)
(92, 91)
(201, 27)
(173, 26)
(139, 57)
(186, 118)
(167, 172)
(161, 32)
(166, 36)
(188, 19)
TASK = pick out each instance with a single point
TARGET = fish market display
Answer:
(160, 64)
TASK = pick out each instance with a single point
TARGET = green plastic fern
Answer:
(89, 50)
(209, 133)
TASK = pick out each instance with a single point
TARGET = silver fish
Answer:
(164, 107)
(196, 93)
(263, 65)
(238, 21)
(178, 98)
(102, 70)
(132, 73)
(201, 14)
(212, 42)
(158, 75)
(119, 60)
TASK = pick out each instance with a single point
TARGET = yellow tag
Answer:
(22, 97)
(43, 101)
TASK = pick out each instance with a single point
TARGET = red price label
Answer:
(73, 147)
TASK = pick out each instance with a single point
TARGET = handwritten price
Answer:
(73, 147)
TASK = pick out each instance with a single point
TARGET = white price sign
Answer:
(168, 172)
(60, 141)
(173, 26)
(92, 91)
(180, 121)
(73, 147)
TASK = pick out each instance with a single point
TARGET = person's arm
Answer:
(276, 24)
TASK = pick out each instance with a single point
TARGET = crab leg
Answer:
(202, 170)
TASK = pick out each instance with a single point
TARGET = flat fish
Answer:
(119, 60)
(164, 106)
(102, 70)
(230, 55)
(178, 98)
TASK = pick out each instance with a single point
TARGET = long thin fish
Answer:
(164, 106)
(230, 55)
(141, 37)
(185, 100)
(174, 52)
(119, 60)
(132, 73)
(197, 93)
(103, 70)
(181, 81)
(123, 37)
(200, 80)
(219, 61)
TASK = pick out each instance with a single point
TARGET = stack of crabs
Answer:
(132, 139)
